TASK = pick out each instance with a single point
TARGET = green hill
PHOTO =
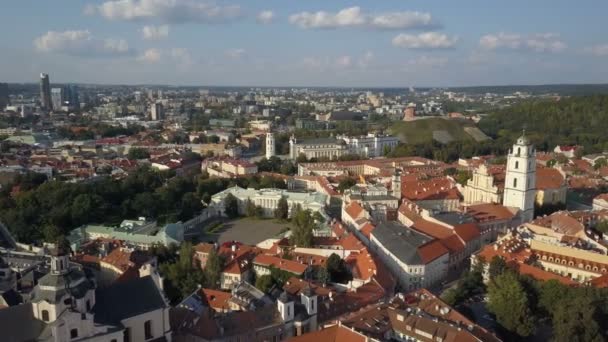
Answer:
(425, 130)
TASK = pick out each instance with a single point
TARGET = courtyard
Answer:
(249, 231)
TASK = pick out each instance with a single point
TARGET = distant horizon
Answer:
(309, 86)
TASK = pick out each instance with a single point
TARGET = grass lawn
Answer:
(421, 131)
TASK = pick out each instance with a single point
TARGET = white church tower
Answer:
(270, 145)
(520, 180)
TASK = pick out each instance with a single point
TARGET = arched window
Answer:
(45, 315)
(515, 182)
(73, 333)
(516, 164)
(518, 150)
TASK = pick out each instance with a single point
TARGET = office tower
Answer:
(45, 92)
(71, 96)
(3, 95)
(57, 96)
(156, 111)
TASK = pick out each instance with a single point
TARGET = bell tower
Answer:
(520, 179)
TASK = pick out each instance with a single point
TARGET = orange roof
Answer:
(549, 178)
(432, 229)
(282, 264)
(218, 300)
(350, 242)
(467, 231)
(367, 229)
(431, 251)
(600, 282)
(336, 333)
(489, 212)
(432, 189)
(540, 274)
(363, 265)
(453, 243)
(204, 247)
(354, 210)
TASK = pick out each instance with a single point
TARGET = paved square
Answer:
(246, 230)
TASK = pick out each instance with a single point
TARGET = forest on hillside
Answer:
(576, 120)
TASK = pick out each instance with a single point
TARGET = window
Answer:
(127, 335)
(88, 305)
(516, 164)
(114, 340)
(45, 315)
(73, 333)
(148, 330)
(515, 182)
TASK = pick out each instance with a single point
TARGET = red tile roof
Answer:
(354, 210)
(467, 231)
(431, 251)
(336, 333)
(218, 300)
(432, 189)
(279, 263)
(549, 178)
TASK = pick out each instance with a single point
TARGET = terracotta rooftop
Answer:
(218, 300)
(549, 178)
(489, 212)
(354, 209)
(432, 189)
(336, 333)
(279, 263)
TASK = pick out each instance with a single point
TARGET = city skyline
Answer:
(277, 43)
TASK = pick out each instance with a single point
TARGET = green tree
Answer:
(231, 206)
(259, 212)
(600, 163)
(346, 183)
(337, 270)
(264, 283)
(322, 276)
(575, 320)
(301, 234)
(213, 270)
(282, 210)
(497, 267)
(509, 302)
(182, 276)
(250, 209)
(138, 153)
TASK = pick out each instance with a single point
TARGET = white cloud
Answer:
(600, 50)
(427, 40)
(537, 42)
(150, 56)
(80, 43)
(425, 62)
(235, 53)
(344, 61)
(169, 11)
(265, 17)
(366, 59)
(181, 56)
(354, 17)
(155, 32)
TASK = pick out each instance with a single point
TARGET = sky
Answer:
(367, 43)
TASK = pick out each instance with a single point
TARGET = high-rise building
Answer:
(270, 145)
(3, 95)
(57, 98)
(520, 179)
(45, 92)
(71, 96)
(156, 111)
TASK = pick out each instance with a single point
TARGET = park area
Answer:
(249, 231)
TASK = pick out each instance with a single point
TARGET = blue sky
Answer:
(364, 43)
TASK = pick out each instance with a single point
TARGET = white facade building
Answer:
(520, 179)
(372, 145)
(156, 111)
(270, 145)
(268, 200)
